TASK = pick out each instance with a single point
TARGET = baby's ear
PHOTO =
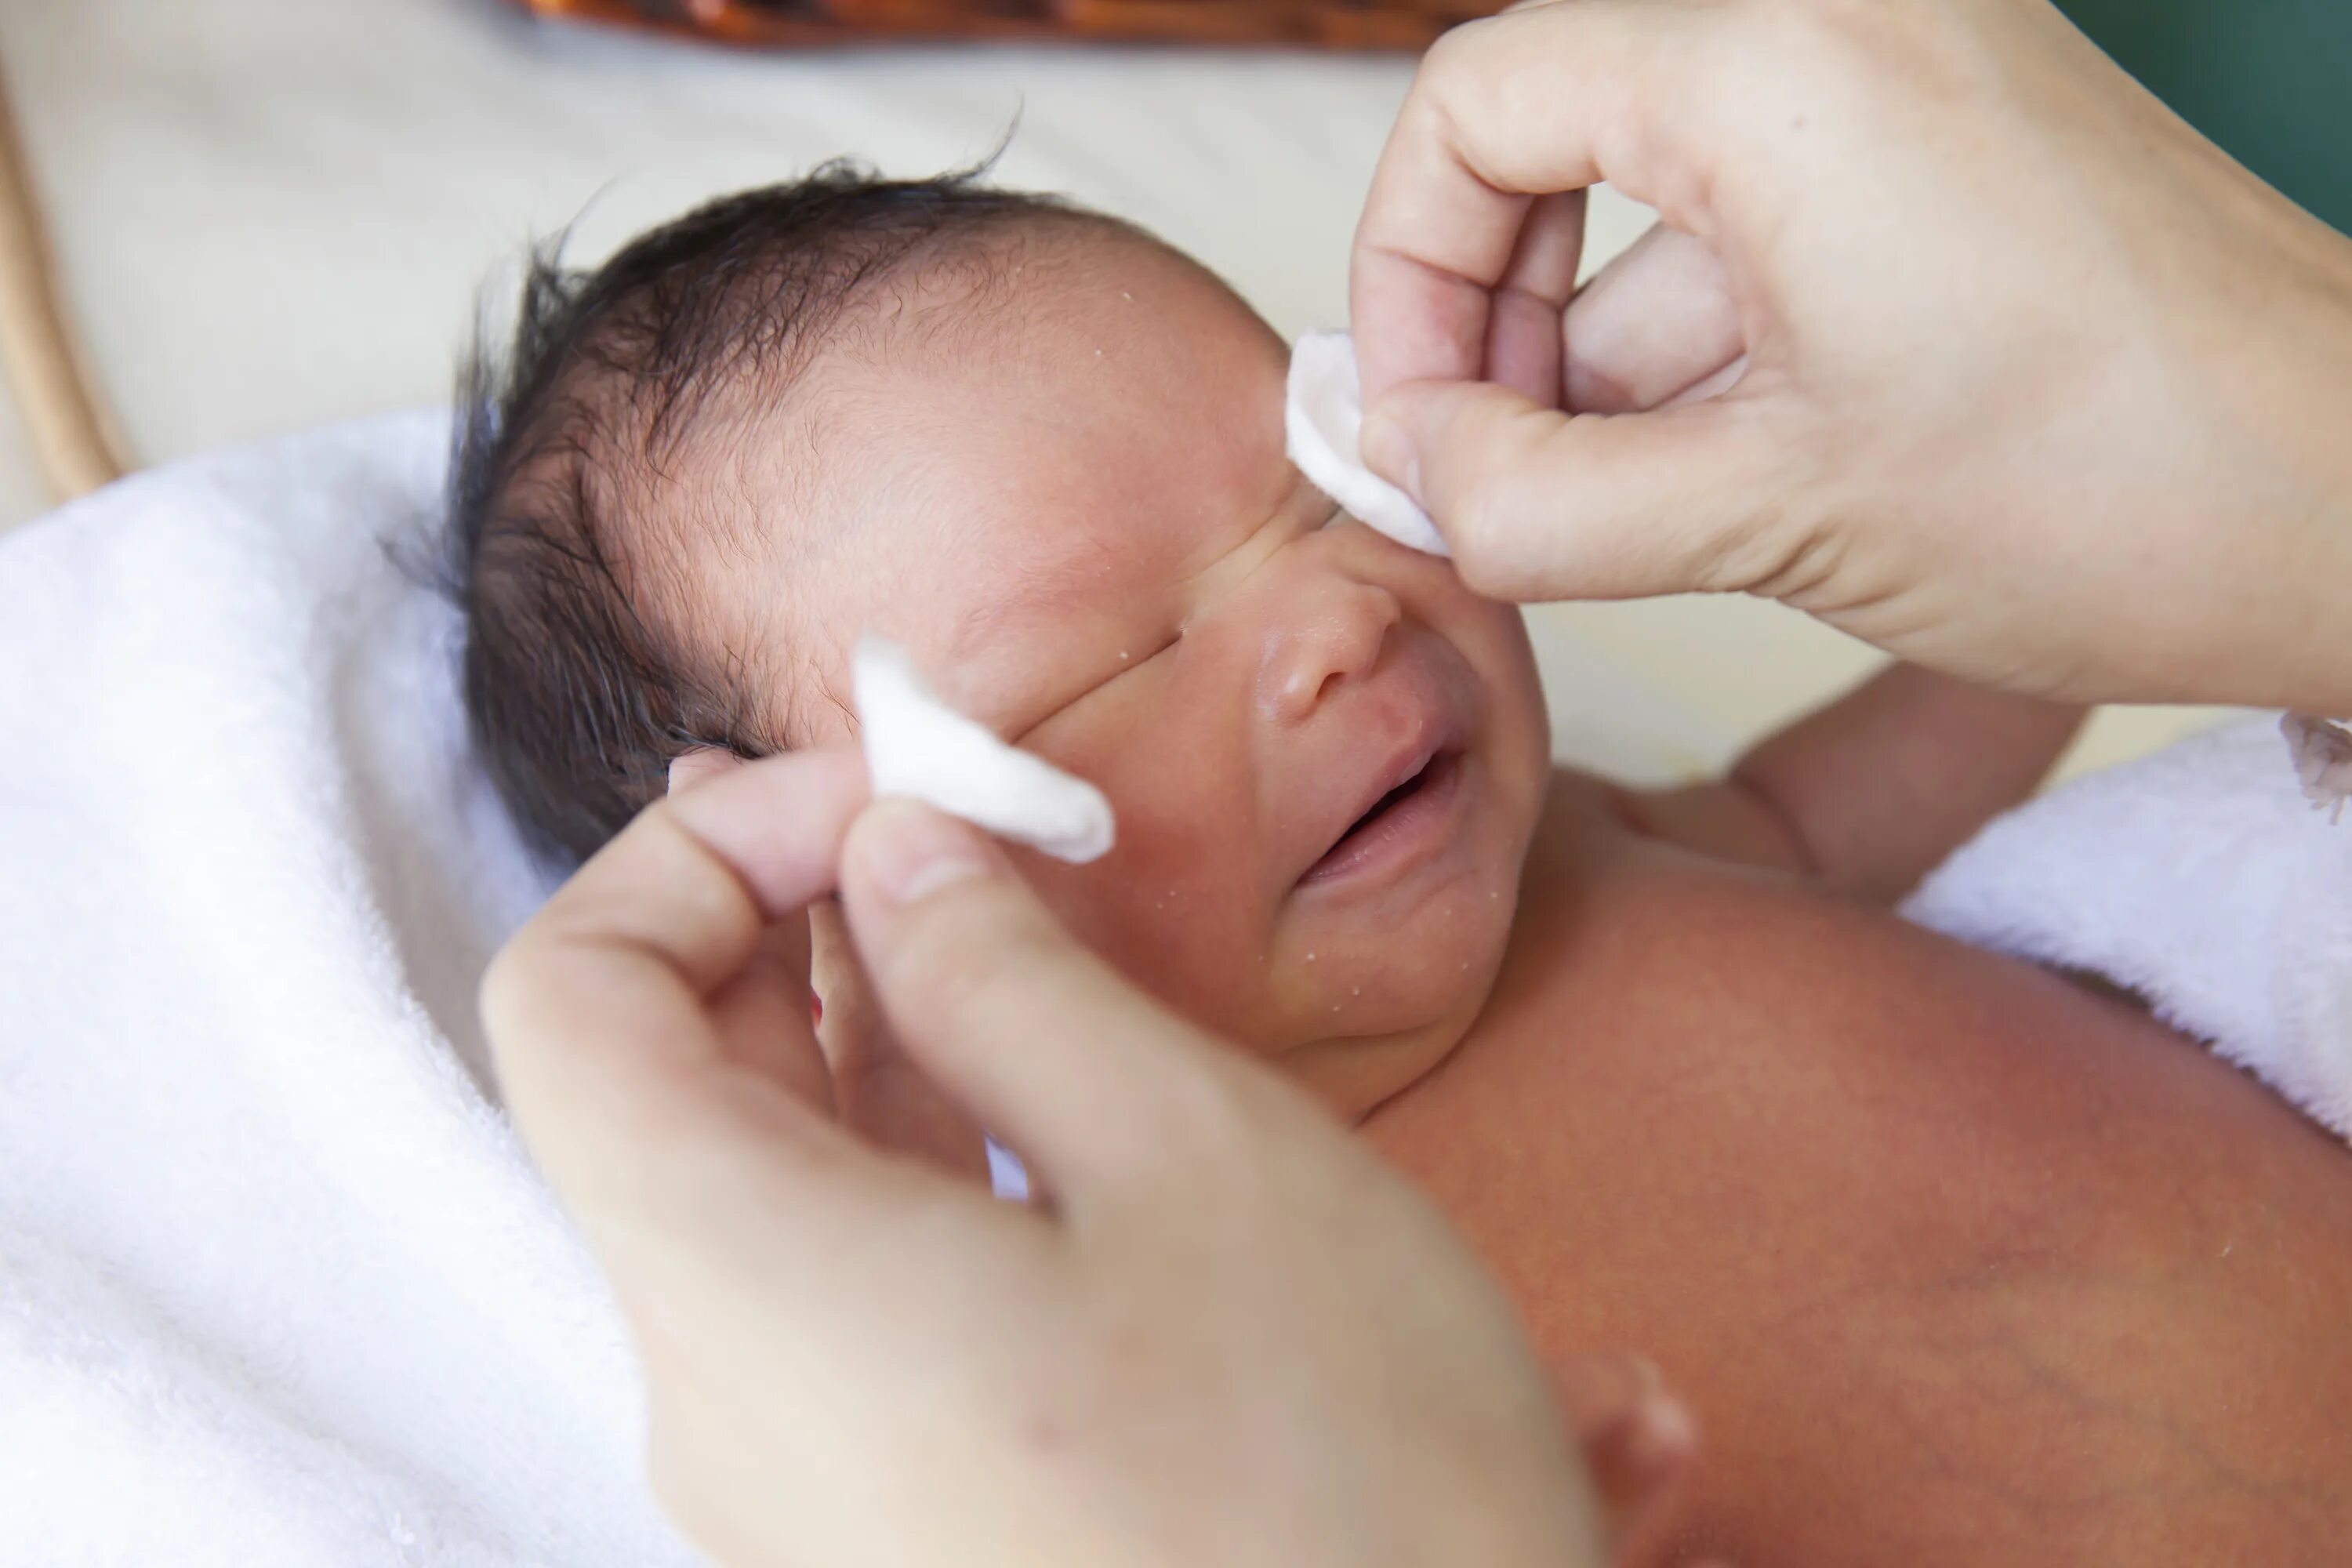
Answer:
(689, 769)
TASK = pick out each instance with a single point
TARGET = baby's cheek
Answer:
(1181, 904)
(1515, 742)
(1179, 918)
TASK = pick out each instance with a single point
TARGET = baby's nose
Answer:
(1329, 634)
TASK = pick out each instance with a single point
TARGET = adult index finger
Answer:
(1535, 101)
(597, 1011)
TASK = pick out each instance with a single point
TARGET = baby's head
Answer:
(1042, 451)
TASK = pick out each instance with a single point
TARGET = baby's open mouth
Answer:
(1395, 821)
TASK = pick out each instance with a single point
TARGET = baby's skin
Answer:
(1955, 1261)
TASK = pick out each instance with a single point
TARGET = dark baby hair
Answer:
(578, 696)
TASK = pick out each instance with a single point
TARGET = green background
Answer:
(2271, 81)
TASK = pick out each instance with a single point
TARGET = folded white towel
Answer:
(1322, 419)
(2201, 878)
(278, 1284)
(919, 747)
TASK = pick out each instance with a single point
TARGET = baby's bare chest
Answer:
(1956, 1262)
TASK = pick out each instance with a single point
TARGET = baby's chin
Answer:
(1372, 1022)
(1380, 995)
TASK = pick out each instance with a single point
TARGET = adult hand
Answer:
(1231, 1335)
(1951, 335)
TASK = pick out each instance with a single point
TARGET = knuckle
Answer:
(1483, 572)
(1454, 49)
(948, 963)
(1479, 556)
(984, 957)
(1485, 531)
(1459, 67)
(1778, 554)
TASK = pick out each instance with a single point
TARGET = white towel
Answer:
(278, 1284)
(2203, 880)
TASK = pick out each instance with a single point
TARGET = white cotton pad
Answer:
(920, 748)
(1323, 422)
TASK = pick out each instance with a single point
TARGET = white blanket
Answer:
(2203, 880)
(277, 1285)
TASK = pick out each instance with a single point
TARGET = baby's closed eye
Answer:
(1100, 679)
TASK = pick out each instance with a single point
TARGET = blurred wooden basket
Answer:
(1410, 25)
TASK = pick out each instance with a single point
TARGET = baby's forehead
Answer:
(996, 578)
(1045, 479)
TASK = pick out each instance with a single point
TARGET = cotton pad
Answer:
(919, 748)
(1324, 421)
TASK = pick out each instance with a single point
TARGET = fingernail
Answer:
(1385, 448)
(912, 851)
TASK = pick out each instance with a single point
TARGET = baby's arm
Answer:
(1870, 793)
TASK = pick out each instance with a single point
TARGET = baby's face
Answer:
(1326, 755)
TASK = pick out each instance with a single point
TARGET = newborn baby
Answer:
(1956, 1261)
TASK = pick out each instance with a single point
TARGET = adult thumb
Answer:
(1033, 1034)
(1540, 504)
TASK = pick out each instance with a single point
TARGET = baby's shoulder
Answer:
(1720, 819)
(1575, 795)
